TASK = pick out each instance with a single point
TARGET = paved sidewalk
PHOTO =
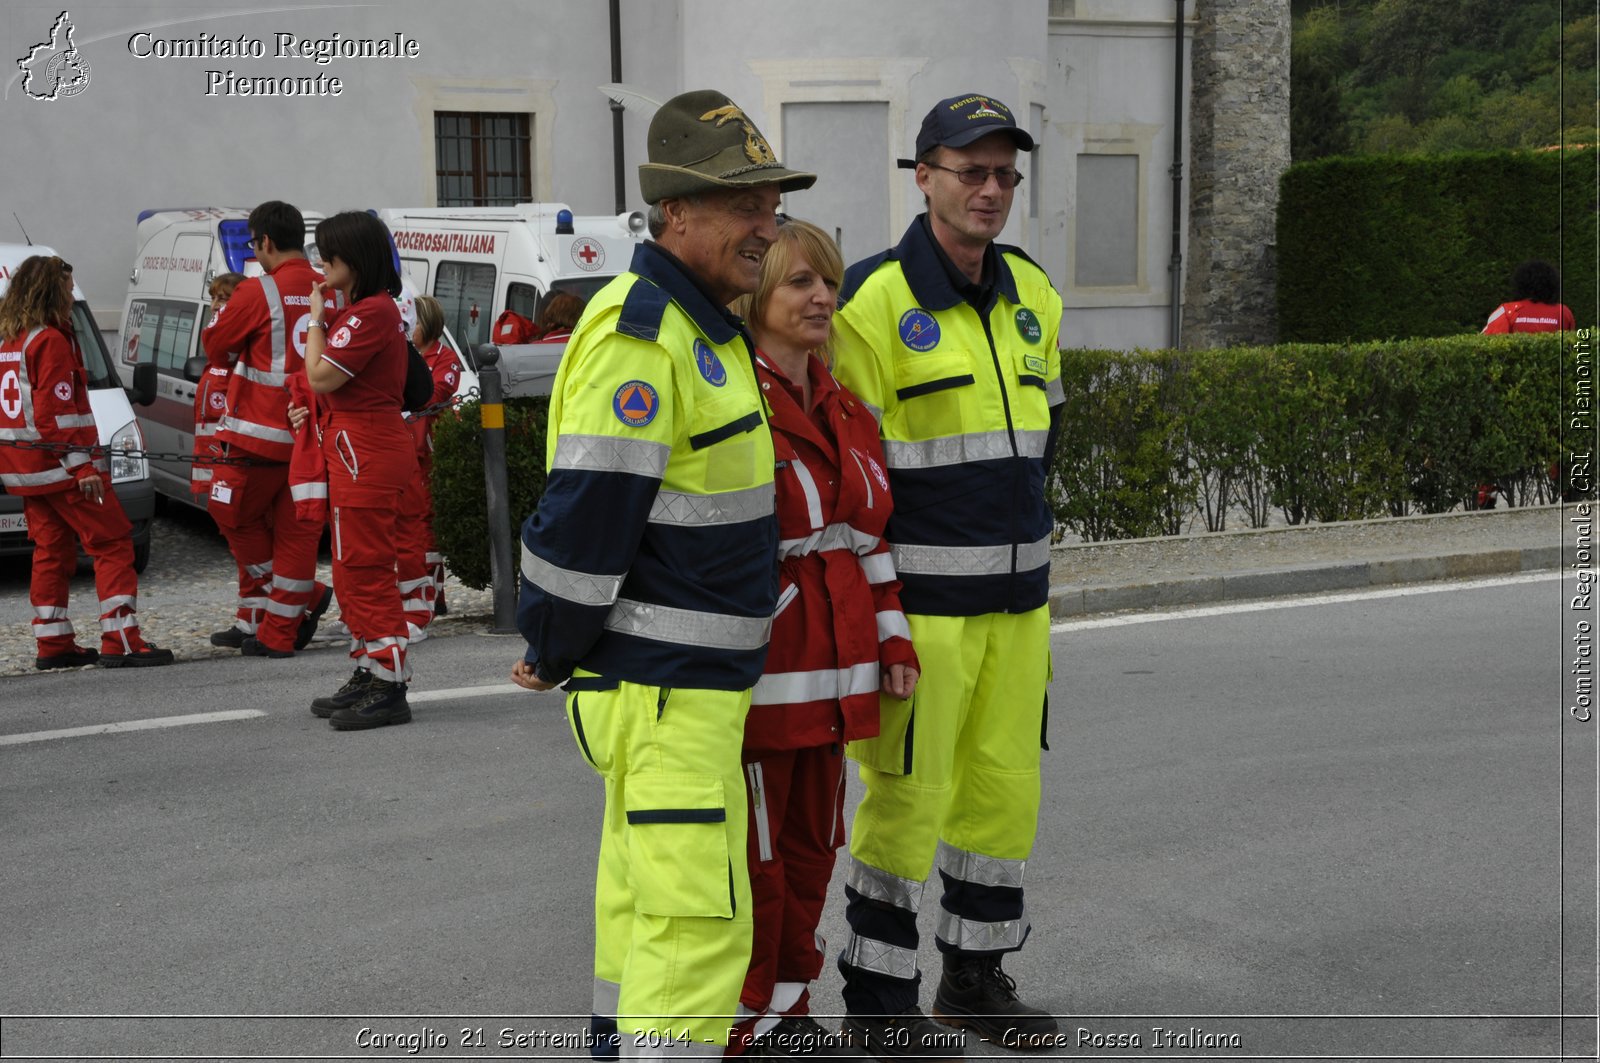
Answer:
(1224, 566)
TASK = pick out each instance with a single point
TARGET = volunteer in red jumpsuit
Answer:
(838, 638)
(356, 360)
(421, 565)
(66, 492)
(1537, 306)
(261, 333)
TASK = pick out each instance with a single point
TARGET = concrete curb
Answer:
(1070, 600)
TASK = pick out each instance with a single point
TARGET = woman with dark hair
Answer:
(66, 491)
(560, 317)
(1537, 305)
(356, 360)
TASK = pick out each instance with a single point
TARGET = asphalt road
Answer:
(1325, 828)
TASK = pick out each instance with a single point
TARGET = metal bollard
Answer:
(492, 412)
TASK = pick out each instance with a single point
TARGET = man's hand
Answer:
(899, 680)
(523, 675)
(93, 487)
(298, 415)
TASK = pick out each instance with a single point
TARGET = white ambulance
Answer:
(113, 417)
(178, 252)
(481, 261)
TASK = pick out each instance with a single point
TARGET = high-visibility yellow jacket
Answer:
(966, 403)
(652, 556)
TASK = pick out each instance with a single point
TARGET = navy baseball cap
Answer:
(958, 121)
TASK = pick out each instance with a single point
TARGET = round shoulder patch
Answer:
(918, 330)
(635, 404)
(340, 338)
(63, 390)
(1028, 325)
(709, 364)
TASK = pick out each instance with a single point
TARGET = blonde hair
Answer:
(796, 239)
(36, 297)
(430, 319)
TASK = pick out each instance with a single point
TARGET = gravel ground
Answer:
(188, 590)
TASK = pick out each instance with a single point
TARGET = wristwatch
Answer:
(314, 323)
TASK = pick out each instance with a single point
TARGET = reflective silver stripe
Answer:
(50, 612)
(284, 609)
(34, 479)
(611, 454)
(199, 474)
(808, 487)
(258, 571)
(302, 492)
(119, 623)
(116, 601)
(822, 684)
(878, 568)
(407, 586)
(257, 431)
(75, 458)
(20, 434)
(280, 340)
(891, 623)
(730, 507)
(376, 666)
(387, 642)
(265, 379)
(880, 957)
(833, 537)
(758, 810)
(1054, 393)
(969, 560)
(881, 886)
(433, 557)
(969, 935)
(63, 627)
(957, 450)
(977, 868)
(606, 995)
(207, 429)
(585, 588)
(283, 583)
(75, 420)
(864, 477)
(717, 631)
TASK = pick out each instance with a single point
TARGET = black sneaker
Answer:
(977, 995)
(149, 657)
(345, 696)
(254, 647)
(382, 703)
(76, 657)
(313, 616)
(230, 637)
(800, 1037)
(909, 1034)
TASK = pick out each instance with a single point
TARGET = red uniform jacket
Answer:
(308, 468)
(1525, 315)
(446, 368)
(839, 622)
(44, 397)
(210, 404)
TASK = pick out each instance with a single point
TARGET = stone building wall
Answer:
(1239, 147)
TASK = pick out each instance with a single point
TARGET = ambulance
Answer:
(178, 252)
(119, 431)
(482, 261)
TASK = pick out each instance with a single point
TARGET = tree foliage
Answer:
(1430, 76)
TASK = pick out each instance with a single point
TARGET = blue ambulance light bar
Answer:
(563, 222)
(234, 233)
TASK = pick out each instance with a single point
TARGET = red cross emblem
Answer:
(587, 254)
(10, 395)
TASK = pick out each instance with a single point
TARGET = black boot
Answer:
(345, 696)
(381, 703)
(975, 994)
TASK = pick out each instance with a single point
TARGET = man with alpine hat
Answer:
(952, 338)
(650, 577)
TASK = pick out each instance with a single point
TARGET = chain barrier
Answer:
(99, 450)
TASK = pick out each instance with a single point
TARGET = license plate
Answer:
(13, 522)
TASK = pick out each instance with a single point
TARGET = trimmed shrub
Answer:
(460, 509)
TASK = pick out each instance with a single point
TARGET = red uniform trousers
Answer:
(796, 801)
(419, 564)
(275, 550)
(56, 523)
(370, 463)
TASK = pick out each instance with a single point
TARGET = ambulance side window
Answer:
(524, 299)
(165, 332)
(465, 291)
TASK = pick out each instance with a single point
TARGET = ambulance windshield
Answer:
(94, 349)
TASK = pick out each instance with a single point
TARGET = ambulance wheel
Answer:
(141, 556)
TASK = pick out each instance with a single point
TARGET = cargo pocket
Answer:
(678, 861)
(593, 717)
(891, 751)
(929, 394)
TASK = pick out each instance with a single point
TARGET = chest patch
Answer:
(918, 330)
(709, 364)
(635, 404)
(1028, 325)
(63, 391)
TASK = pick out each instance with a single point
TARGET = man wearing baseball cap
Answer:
(650, 578)
(952, 338)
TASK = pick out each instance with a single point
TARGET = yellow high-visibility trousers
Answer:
(672, 892)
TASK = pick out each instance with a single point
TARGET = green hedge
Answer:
(1377, 247)
(1154, 442)
(460, 514)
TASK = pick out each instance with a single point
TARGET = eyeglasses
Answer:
(977, 176)
(255, 242)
